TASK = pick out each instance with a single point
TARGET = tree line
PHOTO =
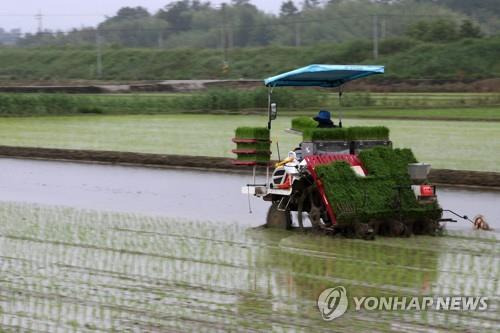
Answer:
(197, 24)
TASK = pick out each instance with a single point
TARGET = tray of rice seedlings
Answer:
(253, 146)
(346, 134)
(324, 134)
(383, 199)
(302, 123)
(367, 133)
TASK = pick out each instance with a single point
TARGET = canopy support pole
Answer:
(340, 105)
(269, 94)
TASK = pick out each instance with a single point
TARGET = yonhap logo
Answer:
(333, 303)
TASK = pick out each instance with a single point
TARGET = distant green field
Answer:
(445, 144)
(470, 106)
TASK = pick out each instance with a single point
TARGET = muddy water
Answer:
(89, 247)
(175, 193)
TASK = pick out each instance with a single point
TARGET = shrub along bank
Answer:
(212, 100)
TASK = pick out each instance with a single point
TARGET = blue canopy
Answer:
(327, 76)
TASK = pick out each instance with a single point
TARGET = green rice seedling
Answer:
(373, 196)
(368, 133)
(257, 157)
(302, 123)
(317, 134)
(259, 133)
(350, 133)
(258, 146)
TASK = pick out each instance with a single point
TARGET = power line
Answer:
(236, 26)
(39, 18)
(53, 15)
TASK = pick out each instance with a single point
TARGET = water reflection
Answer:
(65, 269)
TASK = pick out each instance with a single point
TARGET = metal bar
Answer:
(267, 175)
(269, 92)
(465, 217)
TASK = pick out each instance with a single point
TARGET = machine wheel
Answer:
(278, 219)
(310, 203)
(364, 231)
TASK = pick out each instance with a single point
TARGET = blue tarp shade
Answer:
(327, 76)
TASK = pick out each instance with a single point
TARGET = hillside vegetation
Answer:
(404, 58)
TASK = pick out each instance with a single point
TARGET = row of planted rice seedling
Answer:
(67, 270)
(96, 261)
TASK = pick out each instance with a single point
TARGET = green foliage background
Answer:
(403, 58)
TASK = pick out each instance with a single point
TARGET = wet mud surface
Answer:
(102, 248)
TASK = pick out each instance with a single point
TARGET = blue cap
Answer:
(323, 115)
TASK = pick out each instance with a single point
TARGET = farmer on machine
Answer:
(324, 119)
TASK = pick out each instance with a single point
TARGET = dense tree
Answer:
(288, 9)
(471, 7)
(195, 23)
(129, 13)
(439, 30)
(310, 4)
(469, 30)
(178, 15)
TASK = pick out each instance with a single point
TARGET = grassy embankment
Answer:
(471, 106)
(446, 144)
(404, 58)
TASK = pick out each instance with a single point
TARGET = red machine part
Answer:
(286, 184)
(427, 191)
(315, 160)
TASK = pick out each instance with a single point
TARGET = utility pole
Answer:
(225, 38)
(160, 39)
(39, 18)
(99, 54)
(383, 29)
(375, 37)
(297, 32)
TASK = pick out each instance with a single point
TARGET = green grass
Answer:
(465, 58)
(19, 104)
(290, 102)
(445, 144)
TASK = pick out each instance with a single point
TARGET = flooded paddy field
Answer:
(94, 247)
(462, 145)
